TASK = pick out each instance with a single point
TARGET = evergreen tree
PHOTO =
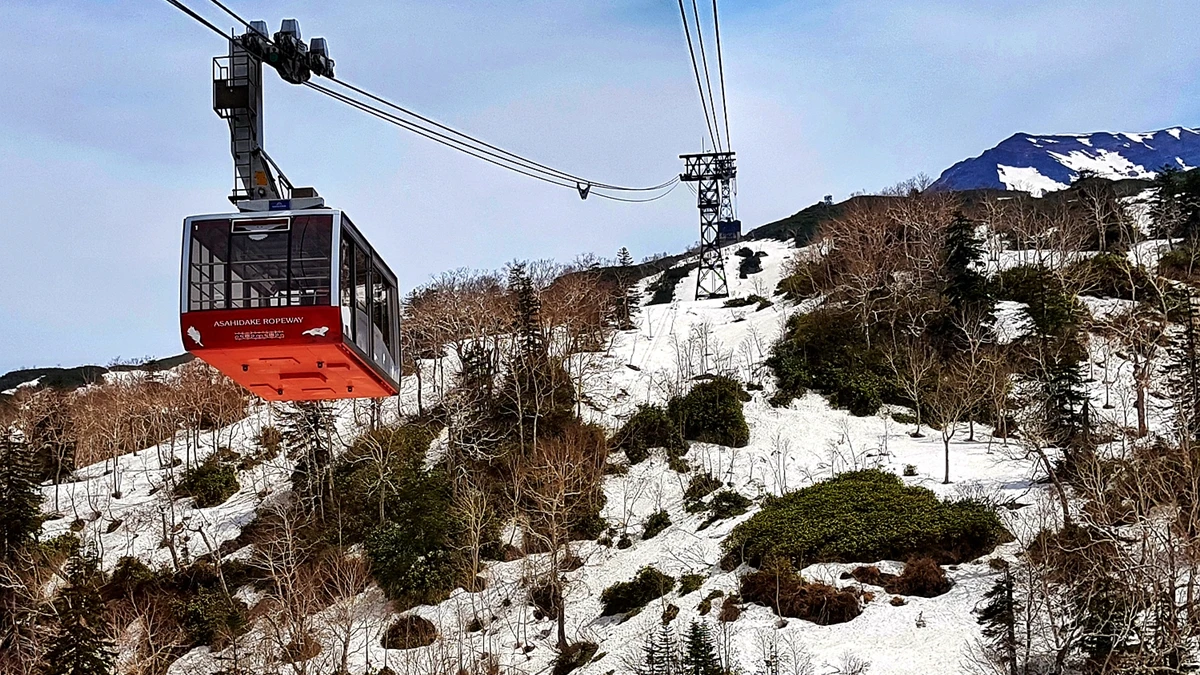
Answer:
(1066, 412)
(699, 652)
(1175, 207)
(629, 303)
(660, 654)
(80, 645)
(306, 428)
(966, 290)
(528, 326)
(20, 498)
(1183, 375)
(999, 620)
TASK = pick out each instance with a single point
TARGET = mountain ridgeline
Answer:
(1039, 164)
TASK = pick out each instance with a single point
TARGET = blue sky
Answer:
(107, 137)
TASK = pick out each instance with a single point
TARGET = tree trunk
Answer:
(946, 444)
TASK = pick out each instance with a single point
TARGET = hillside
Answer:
(424, 534)
(1040, 164)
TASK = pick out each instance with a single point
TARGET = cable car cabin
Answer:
(293, 305)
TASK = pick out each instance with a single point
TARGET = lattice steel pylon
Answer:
(714, 174)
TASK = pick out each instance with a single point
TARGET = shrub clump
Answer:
(712, 413)
(574, 656)
(790, 595)
(209, 483)
(922, 577)
(1053, 311)
(827, 351)
(725, 504)
(649, 427)
(690, 583)
(210, 617)
(626, 596)
(700, 486)
(663, 290)
(863, 515)
(409, 632)
(752, 299)
(657, 522)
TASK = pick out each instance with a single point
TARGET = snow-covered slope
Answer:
(1040, 164)
(790, 447)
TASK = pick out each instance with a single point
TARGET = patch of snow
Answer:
(1139, 138)
(1028, 179)
(1104, 163)
(24, 385)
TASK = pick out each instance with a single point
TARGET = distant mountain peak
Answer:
(1041, 163)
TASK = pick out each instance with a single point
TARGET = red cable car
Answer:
(293, 305)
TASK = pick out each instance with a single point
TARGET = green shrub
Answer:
(802, 283)
(663, 289)
(649, 427)
(209, 483)
(690, 583)
(700, 486)
(1052, 310)
(130, 577)
(863, 516)
(412, 561)
(827, 351)
(626, 596)
(210, 617)
(1112, 275)
(375, 480)
(712, 413)
(727, 504)
(749, 265)
(411, 554)
(657, 522)
(752, 299)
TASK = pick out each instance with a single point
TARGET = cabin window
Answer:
(258, 264)
(310, 264)
(382, 305)
(362, 299)
(207, 271)
(346, 285)
(261, 262)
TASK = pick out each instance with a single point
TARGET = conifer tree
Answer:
(659, 654)
(999, 620)
(1065, 404)
(306, 430)
(965, 285)
(966, 290)
(80, 645)
(629, 302)
(20, 498)
(699, 651)
(1183, 375)
(528, 312)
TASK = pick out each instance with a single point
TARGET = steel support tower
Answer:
(714, 174)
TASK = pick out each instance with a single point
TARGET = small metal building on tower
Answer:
(714, 174)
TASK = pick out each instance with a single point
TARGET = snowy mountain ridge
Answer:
(1044, 163)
